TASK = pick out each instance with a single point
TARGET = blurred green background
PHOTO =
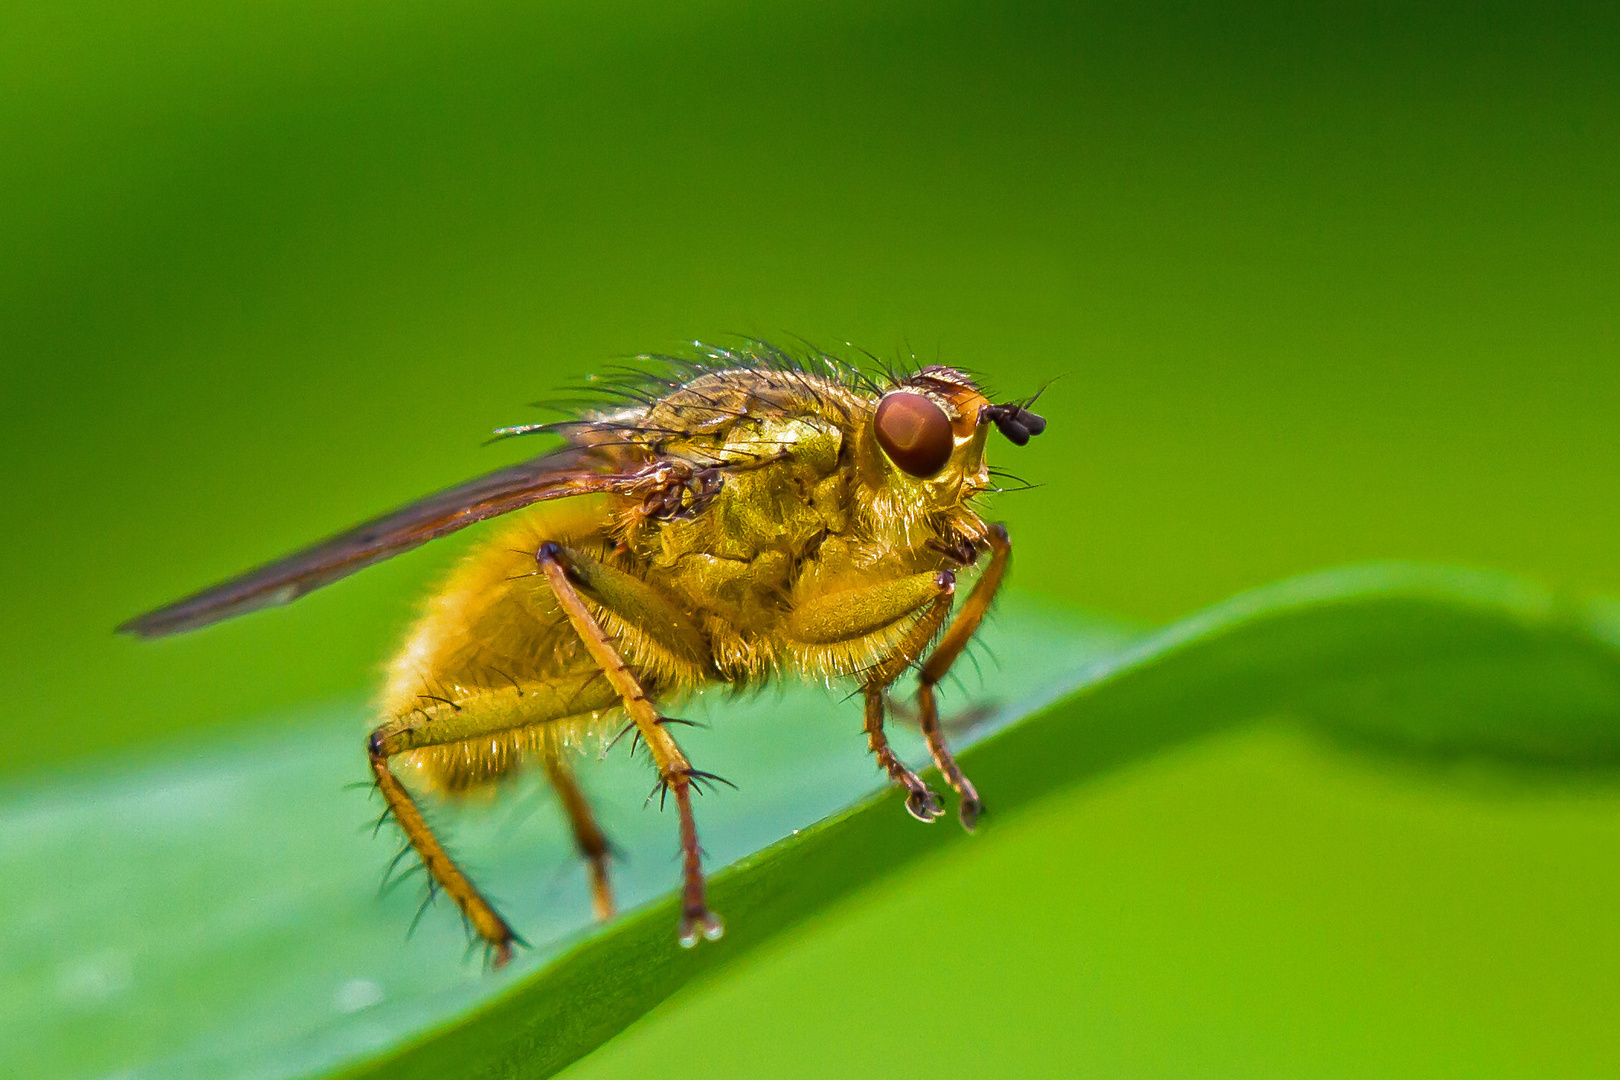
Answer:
(1321, 284)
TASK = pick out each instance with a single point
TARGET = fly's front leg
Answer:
(675, 773)
(869, 615)
(921, 800)
(950, 646)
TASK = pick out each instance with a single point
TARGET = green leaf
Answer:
(212, 918)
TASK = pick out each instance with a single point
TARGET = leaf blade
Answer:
(1302, 645)
(232, 913)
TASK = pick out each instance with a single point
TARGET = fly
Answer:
(733, 518)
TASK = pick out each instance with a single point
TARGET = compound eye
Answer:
(914, 432)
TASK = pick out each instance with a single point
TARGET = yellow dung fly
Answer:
(731, 517)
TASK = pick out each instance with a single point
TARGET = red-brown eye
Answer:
(914, 432)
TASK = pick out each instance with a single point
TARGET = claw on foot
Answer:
(969, 811)
(704, 923)
(924, 805)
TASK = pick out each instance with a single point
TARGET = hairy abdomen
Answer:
(492, 642)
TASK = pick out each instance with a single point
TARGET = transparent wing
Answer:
(574, 470)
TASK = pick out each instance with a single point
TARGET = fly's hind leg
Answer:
(479, 912)
(593, 846)
(950, 647)
(567, 571)
(497, 712)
